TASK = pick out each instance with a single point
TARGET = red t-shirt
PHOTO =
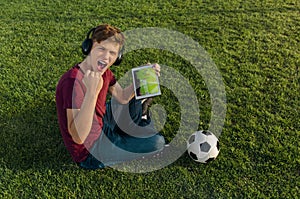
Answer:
(70, 93)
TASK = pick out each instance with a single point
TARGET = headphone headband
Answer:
(90, 33)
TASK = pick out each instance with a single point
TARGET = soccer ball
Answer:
(203, 146)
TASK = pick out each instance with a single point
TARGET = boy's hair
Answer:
(105, 31)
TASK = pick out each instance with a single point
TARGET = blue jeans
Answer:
(125, 136)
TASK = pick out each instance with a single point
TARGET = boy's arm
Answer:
(123, 96)
(80, 120)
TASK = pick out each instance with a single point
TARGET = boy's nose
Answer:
(105, 55)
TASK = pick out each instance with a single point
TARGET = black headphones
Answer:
(87, 45)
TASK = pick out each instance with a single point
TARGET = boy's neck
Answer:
(84, 66)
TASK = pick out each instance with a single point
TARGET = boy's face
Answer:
(103, 55)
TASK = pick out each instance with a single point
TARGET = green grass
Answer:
(254, 44)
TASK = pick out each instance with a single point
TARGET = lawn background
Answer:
(254, 44)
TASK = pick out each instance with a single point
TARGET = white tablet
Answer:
(145, 82)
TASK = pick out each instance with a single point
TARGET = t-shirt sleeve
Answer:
(72, 93)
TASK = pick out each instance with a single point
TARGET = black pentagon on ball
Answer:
(206, 132)
(205, 147)
(218, 145)
(193, 155)
(192, 139)
(209, 160)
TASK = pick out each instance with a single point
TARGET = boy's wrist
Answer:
(91, 95)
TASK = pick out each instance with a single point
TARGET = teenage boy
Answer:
(98, 133)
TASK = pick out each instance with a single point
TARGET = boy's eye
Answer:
(113, 53)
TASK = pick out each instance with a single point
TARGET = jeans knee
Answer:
(159, 142)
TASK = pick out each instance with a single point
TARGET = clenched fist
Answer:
(93, 81)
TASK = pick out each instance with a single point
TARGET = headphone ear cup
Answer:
(118, 61)
(86, 46)
(119, 58)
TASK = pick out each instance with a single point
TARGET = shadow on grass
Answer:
(31, 139)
